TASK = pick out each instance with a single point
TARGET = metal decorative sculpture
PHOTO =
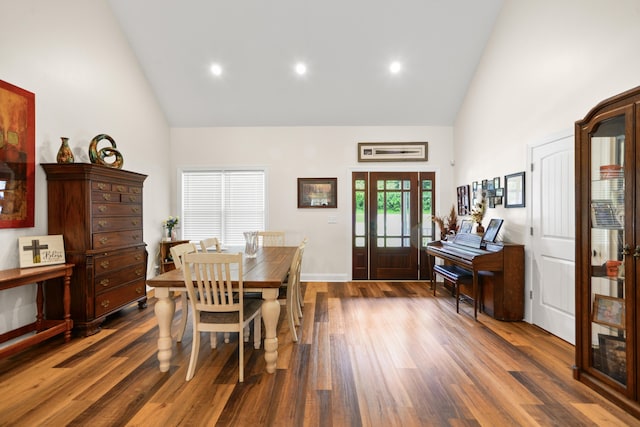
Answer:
(98, 157)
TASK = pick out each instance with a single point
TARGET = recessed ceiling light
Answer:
(395, 67)
(301, 68)
(216, 70)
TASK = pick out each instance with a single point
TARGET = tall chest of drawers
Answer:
(98, 210)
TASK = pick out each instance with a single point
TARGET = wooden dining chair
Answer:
(207, 245)
(177, 253)
(290, 293)
(210, 243)
(216, 309)
(271, 238)
(300, 298)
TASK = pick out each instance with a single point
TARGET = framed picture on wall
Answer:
(17, 156)
(514, 190)
(464, 199)
(317, 192)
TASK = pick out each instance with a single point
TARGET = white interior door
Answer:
(553, 222)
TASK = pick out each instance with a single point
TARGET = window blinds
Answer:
(222, 204)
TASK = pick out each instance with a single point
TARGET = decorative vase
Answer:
(166, 237)
(251, 245)
(65, 155)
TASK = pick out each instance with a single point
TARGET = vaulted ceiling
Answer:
(347, 46)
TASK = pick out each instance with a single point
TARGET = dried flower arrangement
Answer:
(447, 223)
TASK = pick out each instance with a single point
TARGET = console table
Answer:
(43, 328)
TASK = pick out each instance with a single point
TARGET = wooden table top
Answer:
(24, 276)
(268, 269)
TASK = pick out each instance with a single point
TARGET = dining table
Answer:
(263, 274)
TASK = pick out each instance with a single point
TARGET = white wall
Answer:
(311, 152)
(546, 65)
(73, 56)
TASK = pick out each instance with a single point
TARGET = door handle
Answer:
(636, 253)
(627, 250)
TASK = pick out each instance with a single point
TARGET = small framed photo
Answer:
(499, 193)
(317, 192)
(37, 251)
(474, 186)
(496, 182)
(514, 190)
(613, 355)
(603, 215)
(609, 311)
(463, 200)
(465, 226)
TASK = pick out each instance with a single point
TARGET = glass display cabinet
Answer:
(608, 248)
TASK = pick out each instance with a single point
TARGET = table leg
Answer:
(66, 303)
(40, 305)
(164, 309)
(270, 315)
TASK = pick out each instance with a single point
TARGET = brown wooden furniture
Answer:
(44, 326)
(497, 275)
(98, 210)
(264, 274)
(458, 277)
(166, 262)
(608, 249)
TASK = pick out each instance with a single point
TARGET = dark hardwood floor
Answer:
(371, 354)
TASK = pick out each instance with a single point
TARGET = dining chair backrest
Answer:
(213, 277)
(208, 244)
(271, 238)
(178, 252)
(297, 263)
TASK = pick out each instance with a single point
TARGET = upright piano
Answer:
(497, 270)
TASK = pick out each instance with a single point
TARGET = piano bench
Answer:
(456, 276)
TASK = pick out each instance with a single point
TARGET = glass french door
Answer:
(392, 223)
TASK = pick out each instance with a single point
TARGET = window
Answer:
(222, 204)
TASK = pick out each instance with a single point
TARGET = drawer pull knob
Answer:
(102, 186)
(106, 196)
(132, 198)
(120, 188)
(135, 190)
(102, 208)
(138, 290)
(103, 223)
(104, 240)
(135, 210)
(139, 272)
(104, 282)
(135, 236)
(104, 264)
(135, 222)
(138, 257)
(105, 303)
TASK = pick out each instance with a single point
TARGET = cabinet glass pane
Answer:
(608, 303)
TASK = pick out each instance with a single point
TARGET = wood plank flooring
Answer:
(370, 354)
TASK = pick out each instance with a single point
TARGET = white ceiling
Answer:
(347, 45)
